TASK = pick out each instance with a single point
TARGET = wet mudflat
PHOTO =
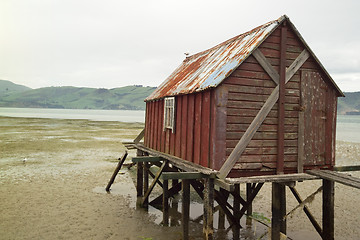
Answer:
(53, 174)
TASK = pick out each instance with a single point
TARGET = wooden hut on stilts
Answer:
(257, 108)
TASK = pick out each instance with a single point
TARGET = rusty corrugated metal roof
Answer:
(209, 68)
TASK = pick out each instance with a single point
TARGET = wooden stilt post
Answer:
(328, 209)
(165, 203)
(185, 208)
(139, 176)
(221, 222)
(249, 189)
(146, 182)
(237, 205)
(208, 228)
(278, 223)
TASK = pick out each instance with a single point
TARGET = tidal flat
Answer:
(53, 175)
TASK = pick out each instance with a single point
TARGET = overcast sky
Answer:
(113, 43)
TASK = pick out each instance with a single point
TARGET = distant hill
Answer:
(350, 103)
(7, 88)
(125, 98)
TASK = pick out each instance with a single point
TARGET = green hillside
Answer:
(351, 102)
(126, 98)
(7, 88)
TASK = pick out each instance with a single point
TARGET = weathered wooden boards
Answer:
(264, 111)
(336, 177)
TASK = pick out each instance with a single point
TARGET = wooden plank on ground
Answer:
(336, 177)
(117, 169)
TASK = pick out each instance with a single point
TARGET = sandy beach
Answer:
(53, 175)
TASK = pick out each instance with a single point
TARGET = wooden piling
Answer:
(278, 222)
(236, 211)
(139, 179)
(249, 188)
(165, 203)
(208, 228)
(185, 208)
(328, 209)
(146, 181)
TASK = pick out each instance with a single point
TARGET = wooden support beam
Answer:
(281, 104)
(185, 208)
(146, 159)
(221, 219)
(337, 177)
(328, 209)
(178, 162)
(171, 192)
(222, 184)
(117, 169)
(249, 188)
(273, 178)
(347, 168)
(140, 136)
(183, 175)
(295, 66)
(236, 210)
(307, 211)
(198, 187)
(278, 222)
(146, 181)
(223, 204)
(208, 228)
(157, 176)
(251, 198)
(150, 172)
(269, 69)
(165, 203)
(139, 179)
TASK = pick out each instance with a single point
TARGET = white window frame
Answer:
(169, 113)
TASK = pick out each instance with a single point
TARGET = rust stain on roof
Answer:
(209, 68)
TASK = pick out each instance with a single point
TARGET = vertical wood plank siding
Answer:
(191, 138)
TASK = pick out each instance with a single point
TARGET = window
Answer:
(169, 114)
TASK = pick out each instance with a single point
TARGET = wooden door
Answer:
(313, 101)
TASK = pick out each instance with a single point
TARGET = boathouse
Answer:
(260, 103)
(257, 108)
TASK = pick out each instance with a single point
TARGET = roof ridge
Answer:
(242, 35)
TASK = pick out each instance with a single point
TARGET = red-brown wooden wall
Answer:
(209, 124)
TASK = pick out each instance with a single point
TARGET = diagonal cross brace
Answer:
(157, 176)
(264, 111)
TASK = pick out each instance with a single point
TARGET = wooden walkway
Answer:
(336, 177)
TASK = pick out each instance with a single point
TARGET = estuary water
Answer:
(90, 114)
(347, 127)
